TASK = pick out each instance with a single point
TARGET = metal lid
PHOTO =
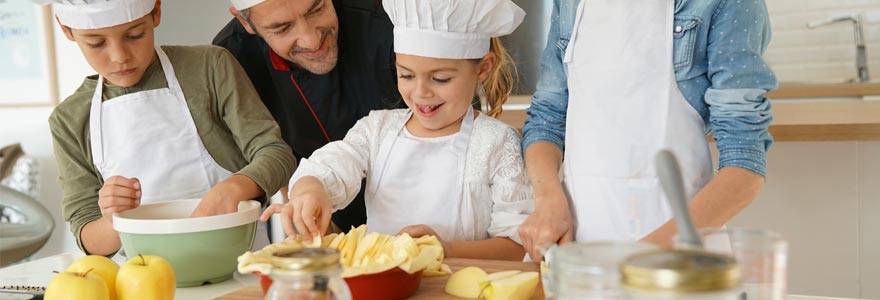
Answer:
(305, 260)
(679, 271)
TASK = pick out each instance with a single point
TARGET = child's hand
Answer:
(224, 197)
(420, 230)
(119, 194)
(309, 209)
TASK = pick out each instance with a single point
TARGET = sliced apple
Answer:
(509, 285)
(465, 283)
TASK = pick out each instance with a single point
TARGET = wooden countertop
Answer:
(431, 287)
(803, 90)
(793, 120)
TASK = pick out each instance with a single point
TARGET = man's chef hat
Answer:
(94, 14)
(457, 29)
(245, 4)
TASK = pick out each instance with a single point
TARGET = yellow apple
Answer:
(509, 285)
(145, 277)
(465, 283)
(77, 285)
(101, 266)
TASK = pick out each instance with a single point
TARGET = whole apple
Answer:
(101, 266)
(145, 277)
(77, 285)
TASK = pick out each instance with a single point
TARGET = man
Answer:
(621, 80)
(319, 66)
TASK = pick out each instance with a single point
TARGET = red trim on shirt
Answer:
(306, 100)
(278, 63)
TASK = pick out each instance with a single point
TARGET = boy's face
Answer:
(304, 32)
(120, 53)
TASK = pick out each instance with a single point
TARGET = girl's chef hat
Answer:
(457, 29)
(94, 14)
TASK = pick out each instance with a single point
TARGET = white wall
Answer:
(191, 22)
(822, 54)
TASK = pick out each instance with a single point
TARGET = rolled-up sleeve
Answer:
(512, 196)
(739, 112)
(546, 114)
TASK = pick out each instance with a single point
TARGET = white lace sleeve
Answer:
(341, 165)
(512, 195)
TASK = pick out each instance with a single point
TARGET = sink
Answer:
(25, 228)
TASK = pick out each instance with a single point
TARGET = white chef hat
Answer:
(245, 4)
(94, 14)
(457, 29)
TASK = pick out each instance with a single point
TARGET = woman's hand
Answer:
(551, 223)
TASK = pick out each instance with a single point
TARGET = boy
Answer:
(136, 133)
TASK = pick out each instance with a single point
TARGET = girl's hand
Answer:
(309, 210)
(420, 230)
(119, 194)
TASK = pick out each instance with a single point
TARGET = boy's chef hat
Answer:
(245, 4)
(457, 29)
(94, 14)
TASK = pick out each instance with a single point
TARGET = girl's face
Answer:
(439, 91)
(120, 53)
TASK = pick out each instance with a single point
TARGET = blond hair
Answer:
(502, 77)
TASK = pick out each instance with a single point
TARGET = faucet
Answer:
(861, 55)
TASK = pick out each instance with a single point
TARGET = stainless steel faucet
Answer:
(861, 53)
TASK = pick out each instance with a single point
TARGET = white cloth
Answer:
(625, 106)
(151, 136)
(457, 29)
(495, 183)
(94, 14)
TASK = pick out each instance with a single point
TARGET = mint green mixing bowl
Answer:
(201, 250)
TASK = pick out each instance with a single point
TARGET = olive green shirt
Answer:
(234, 125)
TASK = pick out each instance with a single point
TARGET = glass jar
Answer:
(680, 275)
(589, 270)
(307, 274)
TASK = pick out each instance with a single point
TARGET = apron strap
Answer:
(173, 84)
(95, 123)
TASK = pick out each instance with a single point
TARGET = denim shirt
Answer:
(718, 67)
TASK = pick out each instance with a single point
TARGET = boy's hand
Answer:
(309, 210)
(224, 197)
(119, 194)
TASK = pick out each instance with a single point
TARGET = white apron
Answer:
(420, 182)
(152, 136)
(624, 106)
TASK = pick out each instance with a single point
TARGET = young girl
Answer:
(156, 124)
(439, 167)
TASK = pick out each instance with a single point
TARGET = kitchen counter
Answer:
(826, 117)
(828, 90)
(244, 287)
